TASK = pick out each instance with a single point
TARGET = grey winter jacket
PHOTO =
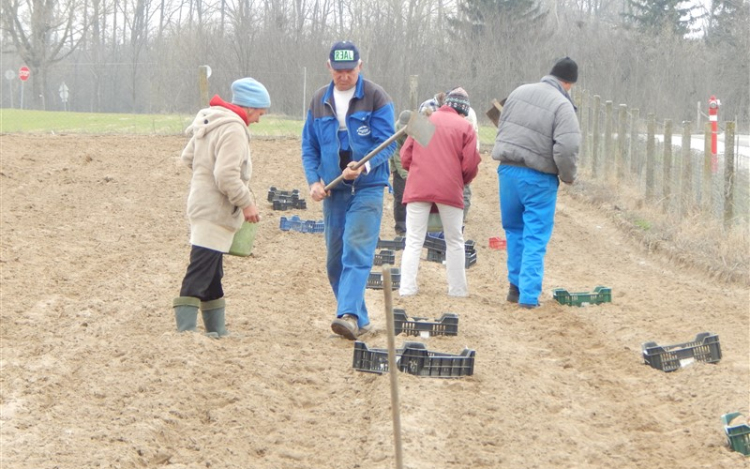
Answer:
(538, 129)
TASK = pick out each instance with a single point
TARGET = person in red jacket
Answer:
(437, 174)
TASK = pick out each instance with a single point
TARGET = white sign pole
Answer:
(10, 75)
(64, 94)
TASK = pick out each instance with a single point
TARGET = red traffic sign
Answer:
(23, 73)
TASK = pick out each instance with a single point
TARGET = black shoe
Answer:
(513, 294)
(528, 306)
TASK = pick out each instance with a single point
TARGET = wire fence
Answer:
(670, 166)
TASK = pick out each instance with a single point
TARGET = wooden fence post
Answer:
(707, 192)
(608, 157)
(728, 174)
(650, 156)
(667, 165)
(413, 86)
(621, 163)
(597, 136)
(203, 86)
(686, 191)
(635, 165)
(584, 113)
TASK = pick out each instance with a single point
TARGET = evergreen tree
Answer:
(729, 22)
(656, 16)
(474, 16)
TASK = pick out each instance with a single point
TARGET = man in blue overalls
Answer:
(346, 120)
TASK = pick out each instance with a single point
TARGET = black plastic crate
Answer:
(385, 256)
(446, 325)
(279, 204)
(372, 360)
(284, 200)
(375, 280)
(434, 243)
(437, 243)
(434, 255)
(274, 193)
(415, 359)
(705, 347)
(419, 361)
(397, 244)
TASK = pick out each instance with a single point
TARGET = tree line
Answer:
(661, 56)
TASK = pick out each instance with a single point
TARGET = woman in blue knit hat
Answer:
(219, 201)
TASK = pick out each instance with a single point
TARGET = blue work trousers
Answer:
(527, 206)
(352, 227)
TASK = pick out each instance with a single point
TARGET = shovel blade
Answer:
(494, 112)
(420, 128)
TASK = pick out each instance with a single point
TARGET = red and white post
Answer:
(713, 117)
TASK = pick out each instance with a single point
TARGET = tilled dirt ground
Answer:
(94, 247)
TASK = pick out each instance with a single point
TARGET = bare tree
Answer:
(40, 31)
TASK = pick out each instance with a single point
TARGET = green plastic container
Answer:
(738, 436)
(599, 295)
(434, 223)
(242, 245)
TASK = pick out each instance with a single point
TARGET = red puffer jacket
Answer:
(438, 172)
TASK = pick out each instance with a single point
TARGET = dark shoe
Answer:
(528, 306)
(513, 294)
(346, 326)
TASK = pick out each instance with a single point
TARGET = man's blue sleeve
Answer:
(310, 151)
(382, 125)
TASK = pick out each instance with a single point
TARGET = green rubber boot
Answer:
(213, 317)
(186, 312)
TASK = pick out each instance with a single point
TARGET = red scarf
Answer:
(217, 101)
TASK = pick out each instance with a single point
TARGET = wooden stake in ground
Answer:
(392, 367)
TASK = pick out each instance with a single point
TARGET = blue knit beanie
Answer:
(249, 92)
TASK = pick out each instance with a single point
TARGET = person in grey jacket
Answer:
(537, 146)
(219, 201)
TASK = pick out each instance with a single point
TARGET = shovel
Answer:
(414, 125)
(494, 112)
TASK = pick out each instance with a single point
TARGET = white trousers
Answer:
(417, 215)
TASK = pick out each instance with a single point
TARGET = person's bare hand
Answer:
(350, 173)
(251, 213)
(318, 191)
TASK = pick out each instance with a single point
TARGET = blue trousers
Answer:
(527, 206)
(352, 227)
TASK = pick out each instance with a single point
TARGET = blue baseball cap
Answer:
(344, 56)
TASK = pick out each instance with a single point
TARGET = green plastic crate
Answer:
(599, 295)
(705, 348)
(738, 436)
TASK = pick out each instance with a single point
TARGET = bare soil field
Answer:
(94, 244)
